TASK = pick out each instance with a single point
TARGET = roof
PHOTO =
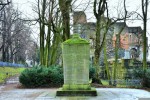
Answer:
(135, 29)
(77, 13)
(120, 23)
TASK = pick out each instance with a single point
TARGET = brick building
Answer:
(130, 41)
(130, 37)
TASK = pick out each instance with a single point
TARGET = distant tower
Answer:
(79, 22)
(79, 17)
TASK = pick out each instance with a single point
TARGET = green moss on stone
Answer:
(76, 40)
(77, 87)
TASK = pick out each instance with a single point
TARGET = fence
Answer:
(130, 82)
(7, 64)
(125, 83)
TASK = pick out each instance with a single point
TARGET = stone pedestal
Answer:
(76, 53)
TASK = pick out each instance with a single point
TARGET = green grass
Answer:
(105, 82)
(6, 72)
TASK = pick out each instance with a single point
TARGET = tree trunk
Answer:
(65, 10)
(116, 59)
(11, 54)
(106, 63)
(54, 48)
(66, 26)
(144, 11)
(97, 52)
(47, 55)
(144, 48)
(42, 31)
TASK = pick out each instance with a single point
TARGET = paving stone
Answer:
(10, 92)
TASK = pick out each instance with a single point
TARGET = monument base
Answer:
(76, 87)
(91, 92)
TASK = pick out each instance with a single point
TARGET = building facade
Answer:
(130, 37)
(130, 41)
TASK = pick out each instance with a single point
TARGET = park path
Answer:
(13, 80)
(10, 91)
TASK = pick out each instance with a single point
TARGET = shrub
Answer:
(147, 78)
(40, 76)
(92, 72)
(144, 75)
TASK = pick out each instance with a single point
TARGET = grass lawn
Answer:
(6, 72)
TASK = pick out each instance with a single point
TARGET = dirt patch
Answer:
(100, 86)
(9, 87)
(20, 86)
(147, 89)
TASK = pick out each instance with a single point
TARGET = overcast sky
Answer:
(26, 6)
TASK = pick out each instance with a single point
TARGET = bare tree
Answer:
(99, 14)
(4, 3)
(14, 38)
(50, 30)
(65, 7)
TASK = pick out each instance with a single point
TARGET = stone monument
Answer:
(76, 53)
